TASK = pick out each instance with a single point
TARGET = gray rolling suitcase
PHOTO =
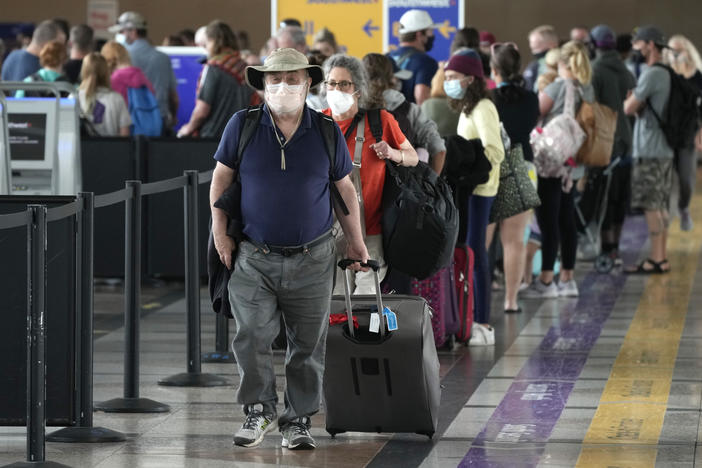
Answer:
(386, 381)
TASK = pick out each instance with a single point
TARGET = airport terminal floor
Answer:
(613, 378)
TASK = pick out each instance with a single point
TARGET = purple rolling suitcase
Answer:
(440, 292)
(386, 381)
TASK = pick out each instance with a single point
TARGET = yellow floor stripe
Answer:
(629, 418)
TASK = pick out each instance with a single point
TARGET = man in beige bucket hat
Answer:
(286, 262)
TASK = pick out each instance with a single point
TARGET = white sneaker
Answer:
(481, 335)
(568, 289)
(539, 290)
(255, 427)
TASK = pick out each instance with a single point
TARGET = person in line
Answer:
(123, 75)
(292, 37)
(132, 33)
(51, 59)
(346, 83)
(465, 38)
(518, 110)
(286, 263)
(556, 215)
(416, 39)
(612, 82)
(465, 86)
(325, 42)
(683, 57)
(21, 63)
(105, 109)
(221, 89)
(652, 174)
(80, 44)
(421, 132)
(541, 40)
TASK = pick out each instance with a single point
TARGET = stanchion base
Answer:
(41, 464)
(132, 405)
(221, 357)
(194, 380)
(90, 435)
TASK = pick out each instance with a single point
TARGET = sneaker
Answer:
(568, 289)
(296, 435)
(481, 335)
(255, 427)
(686, 223)
(540, 290)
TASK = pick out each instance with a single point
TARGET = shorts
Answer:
(651, 184)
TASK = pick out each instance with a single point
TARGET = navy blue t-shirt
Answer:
(284, 207)
(422, 66)
(19, 65)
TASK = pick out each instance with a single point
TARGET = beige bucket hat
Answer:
(281, 60)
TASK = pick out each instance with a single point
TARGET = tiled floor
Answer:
(538, 398)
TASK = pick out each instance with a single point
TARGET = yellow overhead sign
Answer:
(357, 24)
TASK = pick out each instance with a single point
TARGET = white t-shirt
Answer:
(109, 113)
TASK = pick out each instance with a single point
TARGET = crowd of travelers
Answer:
(483, 90)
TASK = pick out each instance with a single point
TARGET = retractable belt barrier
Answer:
(35, 218)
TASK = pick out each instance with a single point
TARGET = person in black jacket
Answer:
(518, 109)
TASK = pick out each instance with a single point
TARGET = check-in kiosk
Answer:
(44, 136)
(4, 150)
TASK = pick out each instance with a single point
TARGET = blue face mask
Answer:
(454, 90)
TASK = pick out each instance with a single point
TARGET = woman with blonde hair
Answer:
(102, 107)
(556, 215)
(122, 74)
(684, 58)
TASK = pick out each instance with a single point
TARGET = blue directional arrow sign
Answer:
(369, 28)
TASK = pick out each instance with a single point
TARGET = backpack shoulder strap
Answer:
(253, 118)
(375, 123)
(327, 127)
(404, 58)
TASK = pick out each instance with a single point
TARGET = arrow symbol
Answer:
(369, 28)
(446, 29)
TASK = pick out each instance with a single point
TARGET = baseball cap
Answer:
(129, 20)
(281, 60)
(649, 34)
(416, 20)
(603, 36)
(487, 38)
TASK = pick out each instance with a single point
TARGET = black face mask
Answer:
(637, 57)
(429, 44)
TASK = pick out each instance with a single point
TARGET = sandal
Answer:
(640, 269)
(513, 311)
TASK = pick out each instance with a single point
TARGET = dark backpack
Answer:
(144, 111)
(401, 114)
(230, 201)
(681, 114)
(420, 220)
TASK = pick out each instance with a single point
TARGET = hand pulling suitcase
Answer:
(386, 381)
(440, 292)
(463, 269)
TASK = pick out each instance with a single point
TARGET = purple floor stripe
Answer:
(534, 402)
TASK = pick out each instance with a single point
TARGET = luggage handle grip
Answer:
(375, 266)
(347, 262)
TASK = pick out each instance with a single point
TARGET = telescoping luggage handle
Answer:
(375, 266)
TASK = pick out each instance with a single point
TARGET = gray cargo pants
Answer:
(262, 286)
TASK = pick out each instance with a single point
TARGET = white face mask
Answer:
(283, 98)
(121, 38)
(339, 101)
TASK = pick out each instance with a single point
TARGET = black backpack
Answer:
(230, 201)
(680, 116)
(420, 220)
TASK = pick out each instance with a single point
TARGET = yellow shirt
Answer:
(484, 123)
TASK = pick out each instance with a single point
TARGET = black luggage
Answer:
(386, 381)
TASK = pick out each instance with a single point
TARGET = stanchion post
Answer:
(36, 333)
(131, 402)
(194, 376)
(221, 354)
(85, 432)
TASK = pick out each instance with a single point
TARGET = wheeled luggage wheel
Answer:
(604, 263)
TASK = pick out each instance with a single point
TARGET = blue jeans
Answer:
(478, 215)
